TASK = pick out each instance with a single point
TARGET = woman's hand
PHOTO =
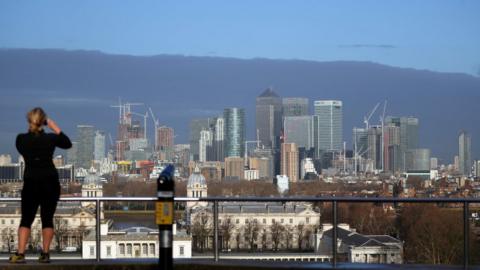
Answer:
(53, 126)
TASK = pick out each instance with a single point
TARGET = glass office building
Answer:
(298, 130)
(327, 126)
(234, 131)
(464, 153)
(268, 116)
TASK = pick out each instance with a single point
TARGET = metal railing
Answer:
(333, 200)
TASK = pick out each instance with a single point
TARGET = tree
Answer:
(8, 236)
(289, 230)
(300, 233)
(80, 232)
(61, 229)
(251, 231)
(366, 218)
(241, 187)
(35, 237)
(264, 240)
(432, 235)
(201, 230)
(306, 237)
(226, 230)
(276, 230)
(237, 239)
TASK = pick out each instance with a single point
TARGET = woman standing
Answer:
(41, 186)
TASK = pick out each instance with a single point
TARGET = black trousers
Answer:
(41, 191)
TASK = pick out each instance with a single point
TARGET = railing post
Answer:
(215, 231)
(466, 231)
(164, 217)
(334, 234)
(98, 245)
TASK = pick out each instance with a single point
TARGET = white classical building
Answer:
(359, 248)
(71, 222)
(196, 188)
(255, 225)
(134, 242)
(92, 187)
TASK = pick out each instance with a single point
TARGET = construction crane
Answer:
(246, 151)
(366, 119)
(127, 112)
(155, 124)
(359, 155)
(382, 122)
(120, 111)
(145, 116)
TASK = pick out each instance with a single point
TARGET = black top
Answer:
(37, 149)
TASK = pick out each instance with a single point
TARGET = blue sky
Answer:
(425, 34)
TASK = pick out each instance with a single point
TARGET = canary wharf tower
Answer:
(268, 116)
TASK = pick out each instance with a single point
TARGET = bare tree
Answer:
(306, 237)
(432, 234)
(201, 230)
(8, 236)
(61, 229)
(80, 232)
(226, 231)
(276, 230)
(264, 240)
(237, 238)
(289, 233)
(35, 237)
(251, 231)
(300, 234)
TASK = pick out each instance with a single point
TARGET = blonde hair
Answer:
(36, 119)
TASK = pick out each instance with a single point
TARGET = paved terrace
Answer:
(204, 264)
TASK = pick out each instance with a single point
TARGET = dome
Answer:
(196, 179)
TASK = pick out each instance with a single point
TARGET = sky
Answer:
(425, 34)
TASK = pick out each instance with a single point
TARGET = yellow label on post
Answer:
(164, 213)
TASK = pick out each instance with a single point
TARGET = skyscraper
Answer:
(391, 141)
(165, 137)
(464, 153)
(375, 146)
(417, 159)
(433, 163)
(298, 130)
(85, 146)
(205, 145)
(234, 132)
(289, 161)
(360, 141)
(219, 137)
(99, 145)
(197, 125)
(268, 115)
(72, 154)
(295, 106)
(327, 126)
(456, 163)
(408, 136)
